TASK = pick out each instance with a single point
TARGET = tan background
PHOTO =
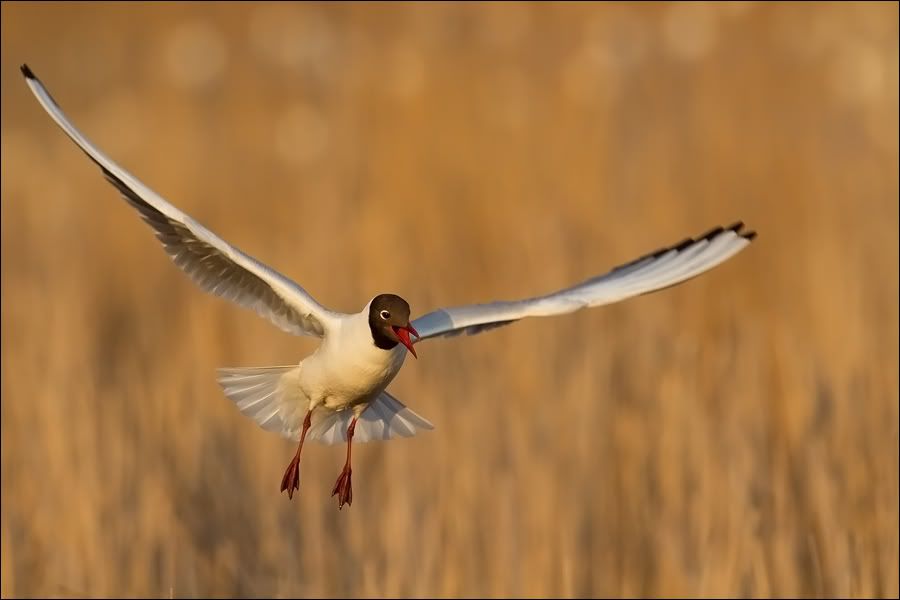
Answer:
(737, 435)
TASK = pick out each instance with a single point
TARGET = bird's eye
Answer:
(385, 315)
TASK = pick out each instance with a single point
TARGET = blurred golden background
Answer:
(736, 435)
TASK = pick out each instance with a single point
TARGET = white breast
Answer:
(348, 368)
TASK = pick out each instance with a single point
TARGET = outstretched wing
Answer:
(212, 263)
(660, 269)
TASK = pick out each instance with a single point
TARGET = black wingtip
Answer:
(736, 227)
(27, 72)
(709, 235)
(684, 244)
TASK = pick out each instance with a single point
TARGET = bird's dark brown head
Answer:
(389, 322)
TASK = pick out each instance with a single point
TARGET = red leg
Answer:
(291, 479)
(343, 487)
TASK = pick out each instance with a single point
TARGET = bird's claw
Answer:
(291, 479)
(343, 488)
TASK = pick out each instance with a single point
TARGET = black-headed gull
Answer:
(338, 393)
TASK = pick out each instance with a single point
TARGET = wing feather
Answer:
(652, 272)
(216, 266)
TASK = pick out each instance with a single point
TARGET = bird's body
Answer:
(339, 392)
(346, 372)
(347, 369)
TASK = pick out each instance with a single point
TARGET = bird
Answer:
(338, 394)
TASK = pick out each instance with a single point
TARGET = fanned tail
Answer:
(265, 394)
(271, 397)
(383, 419)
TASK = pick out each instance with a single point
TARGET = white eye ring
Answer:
(385, 315)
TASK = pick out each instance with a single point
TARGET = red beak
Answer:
(403, 334)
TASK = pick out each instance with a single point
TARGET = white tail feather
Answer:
(271, 396)
(262, 393)
(383, 419)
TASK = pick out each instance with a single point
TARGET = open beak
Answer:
(403, 334)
